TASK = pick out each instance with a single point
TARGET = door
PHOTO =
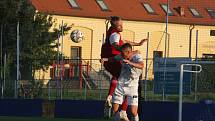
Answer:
(75, 56)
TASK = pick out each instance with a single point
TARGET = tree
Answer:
(37, 38)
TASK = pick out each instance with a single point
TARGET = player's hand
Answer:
(142, 41)
(102, 60)
(127, 61)
(135, 52)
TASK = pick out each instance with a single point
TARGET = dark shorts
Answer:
(113, 67)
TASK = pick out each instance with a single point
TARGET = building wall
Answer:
(178, 37)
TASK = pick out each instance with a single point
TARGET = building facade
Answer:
(140, 18)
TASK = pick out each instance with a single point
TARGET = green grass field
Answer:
(45, 119)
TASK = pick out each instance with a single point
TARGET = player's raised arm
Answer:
(136, 43)
(139, 65)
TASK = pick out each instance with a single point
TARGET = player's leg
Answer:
(117, 100)
(133, 101)
(116, 113)
(134, 112)
(114, 68)
(112, 87)
(116, 72)
(115, 107)
(123, 113)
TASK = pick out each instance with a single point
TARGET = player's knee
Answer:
(114, 81)
(115, 111)
(134, 112)
(115, 108)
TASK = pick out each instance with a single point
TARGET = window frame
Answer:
(73, 7)
(208, 10)
(170, 14)
(143, 4)
(97, 1)
(212, 33)
(196, 16)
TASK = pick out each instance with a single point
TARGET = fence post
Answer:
(17, 61)
(196, 78)
(165, 54)
(102, 71)
(100, 82)
(87, 73)
(61, 79)
(146, 70)
(62, 60)
(80, 74)
(1, 55)
(71, 71)
(4, 75)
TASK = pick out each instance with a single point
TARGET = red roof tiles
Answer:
(131, 10)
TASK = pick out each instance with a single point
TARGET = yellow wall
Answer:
(178, 36)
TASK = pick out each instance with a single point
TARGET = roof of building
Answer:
(132, 10)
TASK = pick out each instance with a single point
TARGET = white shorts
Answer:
(122, 91)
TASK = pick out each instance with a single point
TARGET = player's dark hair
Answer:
(126, 45)
(113, 19)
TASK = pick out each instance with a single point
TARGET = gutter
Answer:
(190, 39)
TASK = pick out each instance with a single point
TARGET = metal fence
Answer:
(200, 86)
(72, 79)
(88, 80)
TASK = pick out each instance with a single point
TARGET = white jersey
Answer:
(114, 38)
(129, 75)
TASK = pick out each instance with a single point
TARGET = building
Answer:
(140, 17)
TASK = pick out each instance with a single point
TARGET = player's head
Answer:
(116, 22)
(126, 50)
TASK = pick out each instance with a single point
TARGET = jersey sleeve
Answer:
(118, 57)
(138, 58)
(114, 38)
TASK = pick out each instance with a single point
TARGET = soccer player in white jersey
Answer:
(132, 65)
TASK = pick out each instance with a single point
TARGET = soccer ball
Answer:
(77, 36)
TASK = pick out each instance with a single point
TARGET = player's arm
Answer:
(139, 65)
(117, 46)
(111, 59)
(136, 43)
(114, 41)
(102, 60)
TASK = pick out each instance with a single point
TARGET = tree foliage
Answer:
(38, 35)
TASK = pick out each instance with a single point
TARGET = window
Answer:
(157, 54)
(73, 3)
(212, 33)
(194, 12)
(148, 8)
(208, 56)
(75, 52)
(211, 12)
(164, 6)
(76, 56)
(102, 5)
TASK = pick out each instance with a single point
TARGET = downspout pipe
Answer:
(190, 39)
